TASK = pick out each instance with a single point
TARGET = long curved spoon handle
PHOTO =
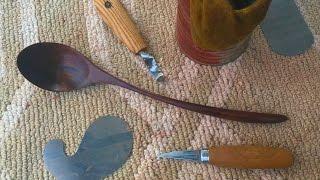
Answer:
(241, 116)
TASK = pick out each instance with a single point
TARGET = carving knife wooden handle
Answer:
(253, 157)
(116, 17)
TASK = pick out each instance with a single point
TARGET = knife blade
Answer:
(116, 17)
(245, 157)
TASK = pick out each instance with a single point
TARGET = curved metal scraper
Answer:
(286, 30)
(105, 147)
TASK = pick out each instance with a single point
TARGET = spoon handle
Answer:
(241, 116)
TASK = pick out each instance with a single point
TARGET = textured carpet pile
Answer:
(259, 81)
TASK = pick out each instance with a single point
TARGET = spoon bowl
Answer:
(59, 68)
(54, 67)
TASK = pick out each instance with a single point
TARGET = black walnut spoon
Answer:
(59, 68)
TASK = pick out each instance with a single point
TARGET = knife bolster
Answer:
(204, 155)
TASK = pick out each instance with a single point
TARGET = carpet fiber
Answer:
(259, 81)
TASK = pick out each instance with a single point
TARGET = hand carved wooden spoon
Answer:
(59, 68)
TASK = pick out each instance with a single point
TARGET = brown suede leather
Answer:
(216, 25)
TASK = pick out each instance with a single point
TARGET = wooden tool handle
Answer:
(253, 157)
(116, 17)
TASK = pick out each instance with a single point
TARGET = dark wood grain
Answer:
(185, 41)
(217, 32)
(59, 68)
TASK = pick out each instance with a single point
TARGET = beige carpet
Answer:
(258, 81)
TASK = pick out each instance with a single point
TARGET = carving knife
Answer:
(244, 157)
(116, 17)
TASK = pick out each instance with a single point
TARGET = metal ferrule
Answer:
(204, 156)
(152, 65)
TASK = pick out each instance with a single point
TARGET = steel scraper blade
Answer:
(285, 29)
(106, 146)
